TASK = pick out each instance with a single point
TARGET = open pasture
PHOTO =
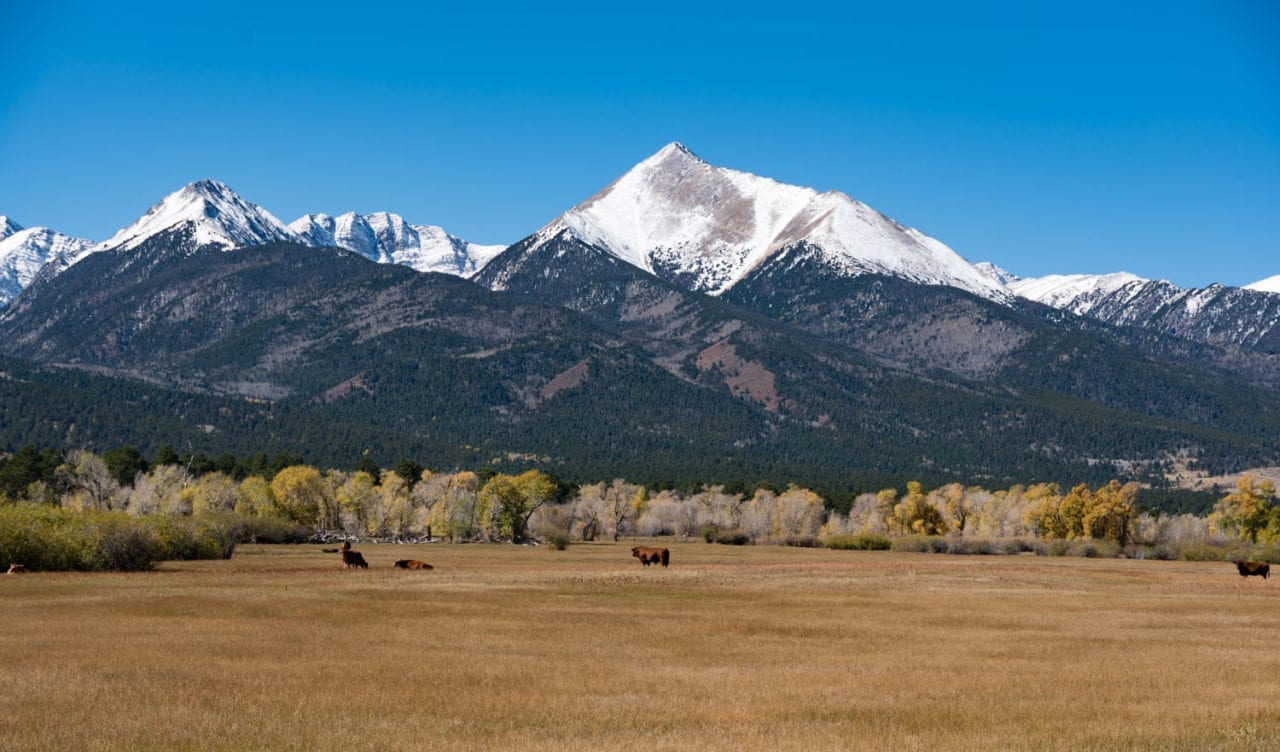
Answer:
(522, 648)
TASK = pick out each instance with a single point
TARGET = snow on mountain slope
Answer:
(387, 238)
(997, 274)
(8, 227)
(707, 227)
(25, 252)
(216, 215)
(1270, 284)
(1074, 292)
(1217, 314)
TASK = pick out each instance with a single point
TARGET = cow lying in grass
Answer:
(412, 564)
(1248, 568)
(17, 569)
(353, 558)
(651, 555)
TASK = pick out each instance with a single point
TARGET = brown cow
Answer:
(353, 558)
(651, 555)
(1259, 568)
(412, 564)
(15, 568)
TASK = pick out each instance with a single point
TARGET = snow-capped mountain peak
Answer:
(216, 215)
(1072, 291)
(387, 238)
(24, 253)
(8, 227)
(708, 227)
(1270, 284)
(999, 274)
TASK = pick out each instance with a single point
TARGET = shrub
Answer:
(1200, 552)
(858, 542)
(732, 538)
(980, 546)
(1057, 547)
(558, 539)
(46, 538)
(1093, 549)
(709, 533)
(1021, 546)
(802, 541)
(122, 543)
(916, 544)
(272, 529)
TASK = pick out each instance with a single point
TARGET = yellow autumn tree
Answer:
(914, 513)
(1112, 513)
(299, 493)
(512, 499)
(1246, 511)
(253, 497)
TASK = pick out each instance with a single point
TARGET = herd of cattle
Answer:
(647, 555)
(353, 559)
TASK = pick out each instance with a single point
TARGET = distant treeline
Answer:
(410, 501)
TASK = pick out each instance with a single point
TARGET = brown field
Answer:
(741, 648)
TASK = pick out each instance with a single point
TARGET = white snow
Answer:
(996, 273)
(1064, 290)
(675, 213)
(217, 215)
(387, 238)
(25, 252)
(1270, 284)
(8, 227)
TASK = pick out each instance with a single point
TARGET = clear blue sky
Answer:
(1047, 137)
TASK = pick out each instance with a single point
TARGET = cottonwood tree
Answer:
(514, 498)
(456, 514)
(298, 491)
(212, 492)
(957, 505)
(1246, 511)
(798, 513)
(253, 497)
(1112, 513)
(914, 513)
(158, 490)
(354, 499)
(87, 482)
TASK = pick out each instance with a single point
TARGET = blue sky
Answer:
(1065, 137)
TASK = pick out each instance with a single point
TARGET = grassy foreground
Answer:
(505, 647)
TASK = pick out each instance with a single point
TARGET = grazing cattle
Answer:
(1259, 568)
(353, 558)
(413, 564)
(17, 569)
(651, 555)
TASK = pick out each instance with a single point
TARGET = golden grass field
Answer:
(732, 648)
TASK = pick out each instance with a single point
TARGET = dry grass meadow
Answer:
(520, 648)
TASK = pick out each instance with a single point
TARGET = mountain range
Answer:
(687, 321)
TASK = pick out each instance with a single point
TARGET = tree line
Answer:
(410, 501)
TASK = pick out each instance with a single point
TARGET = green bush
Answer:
(709, 533)
(47, 538)
(858, 542)
(559, 540)
(121, 543)
(271, 529)
(733, 538)
(913, 544)
(1057, 547)
(1200, 552)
